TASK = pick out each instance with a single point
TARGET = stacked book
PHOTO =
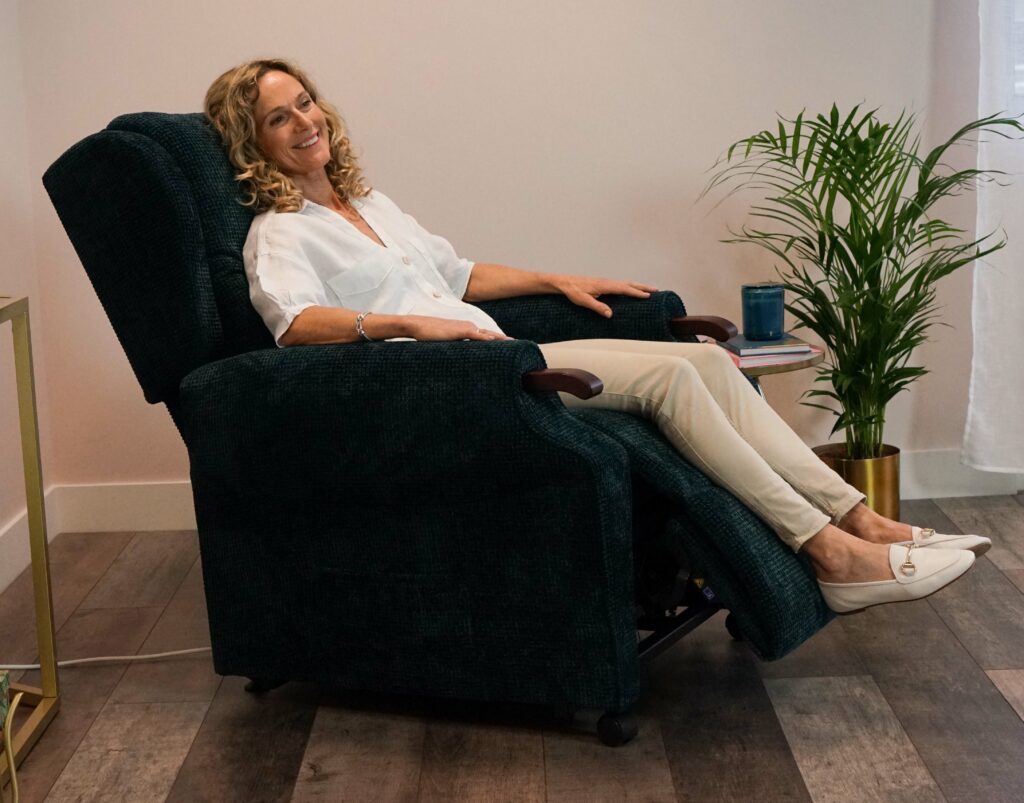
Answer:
(752, 353)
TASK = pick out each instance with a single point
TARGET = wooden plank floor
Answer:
(921, 701)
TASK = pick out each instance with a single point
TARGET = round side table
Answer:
(757, 371)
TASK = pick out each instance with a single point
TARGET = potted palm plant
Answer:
(846, 208)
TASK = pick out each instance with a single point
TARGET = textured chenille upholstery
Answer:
(400, 516)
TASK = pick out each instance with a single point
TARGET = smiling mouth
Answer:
(309, 143)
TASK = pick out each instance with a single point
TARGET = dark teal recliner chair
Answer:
(419, 518)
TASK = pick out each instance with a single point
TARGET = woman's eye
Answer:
(307, 102)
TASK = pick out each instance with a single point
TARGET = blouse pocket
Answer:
(372, 284)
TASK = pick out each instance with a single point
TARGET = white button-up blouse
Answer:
(314, 257)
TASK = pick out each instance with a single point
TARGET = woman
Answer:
(330, 261)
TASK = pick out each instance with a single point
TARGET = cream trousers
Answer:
(717, 421)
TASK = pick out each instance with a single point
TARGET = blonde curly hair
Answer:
(229, 106)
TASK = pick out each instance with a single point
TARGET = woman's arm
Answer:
(488, 281)
(337, 325)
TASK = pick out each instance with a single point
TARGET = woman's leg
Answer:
(757, 423)
(773, 439)
(668, 390)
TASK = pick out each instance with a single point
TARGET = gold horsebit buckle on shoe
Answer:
(907, 568)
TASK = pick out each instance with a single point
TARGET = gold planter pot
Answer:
(878, 478)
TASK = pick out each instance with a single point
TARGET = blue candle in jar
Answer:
(763, 305)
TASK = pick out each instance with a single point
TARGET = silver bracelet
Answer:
(359, 326)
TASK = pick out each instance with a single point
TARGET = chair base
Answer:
(615, 728)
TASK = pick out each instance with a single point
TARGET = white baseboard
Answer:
(123, 507)
(14, 555)
(938, 473)
(138, 506)
(145, 506)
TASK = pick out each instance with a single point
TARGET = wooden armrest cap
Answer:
(582, 384)
(709, 325)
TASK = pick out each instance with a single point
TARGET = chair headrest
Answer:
(151, 206)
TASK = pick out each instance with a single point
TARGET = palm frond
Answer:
(846, 210)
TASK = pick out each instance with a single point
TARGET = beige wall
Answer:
(569, 136)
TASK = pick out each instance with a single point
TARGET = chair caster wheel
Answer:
(617, 729)
(733, 627)
(262, 685)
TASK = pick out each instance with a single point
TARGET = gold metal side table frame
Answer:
(44, 701)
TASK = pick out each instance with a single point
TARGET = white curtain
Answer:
(994, 435)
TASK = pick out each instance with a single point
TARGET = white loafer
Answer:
(927, 538)
(918, 573)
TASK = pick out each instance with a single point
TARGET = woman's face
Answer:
(290, 128)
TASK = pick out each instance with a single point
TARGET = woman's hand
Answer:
(425, 327)
(584, 290)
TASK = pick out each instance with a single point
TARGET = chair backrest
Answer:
(151, 206)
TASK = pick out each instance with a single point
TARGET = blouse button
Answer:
(436, 294)
(406, 260)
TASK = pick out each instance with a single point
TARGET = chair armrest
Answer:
(553, 318)
(399, 408)
(709, 325)
(467, 364)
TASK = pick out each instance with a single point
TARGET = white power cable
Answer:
(111, 659)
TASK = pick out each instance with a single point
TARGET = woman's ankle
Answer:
(840, 557)
(864, 523)
(828, 550)
(860, 520)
